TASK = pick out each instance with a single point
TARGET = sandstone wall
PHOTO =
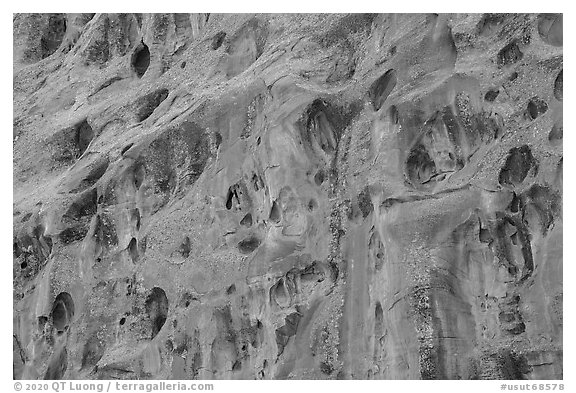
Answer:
(287, 196)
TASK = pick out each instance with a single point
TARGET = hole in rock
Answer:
(510, 54)
(248, 245)
(185, 247)
(555, 134)
(247, 220)
(319, 177)
(157, 309)
(282, 292)
(62, 311)
(536, 107)
(519, 163)
(24, 265)
(325, 123)
(558, 85)
(122, 321)
(133, 250)
(275, 213)
(232, 194)
(491, 95)
(420, 166)
(141, 60)
(231, 289)
(321, 130)
(83, 136)
(218, 40)
(381, 88)
(53, 35)
(312, 204)
(183, 65)
(126, 148)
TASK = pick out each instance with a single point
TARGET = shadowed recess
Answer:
(141, 60)
(62, 311)
(157, 309)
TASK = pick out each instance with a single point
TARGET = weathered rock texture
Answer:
(287, 196)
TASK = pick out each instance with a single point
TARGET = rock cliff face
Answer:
(287, 196)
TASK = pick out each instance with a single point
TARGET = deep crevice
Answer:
(141, 60)
(231, 196)
(133, 250)
(381, 88)
(126, 148)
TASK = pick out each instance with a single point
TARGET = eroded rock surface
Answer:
(287, 196)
